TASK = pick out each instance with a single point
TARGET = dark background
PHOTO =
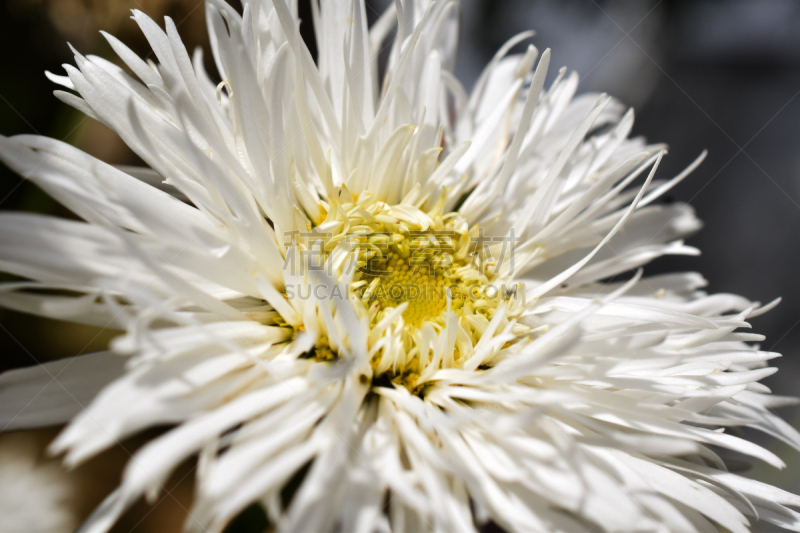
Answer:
(716, 75)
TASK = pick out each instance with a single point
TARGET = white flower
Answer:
(274, 318)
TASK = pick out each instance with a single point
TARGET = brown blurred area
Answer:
(79, 21)
(25, 464)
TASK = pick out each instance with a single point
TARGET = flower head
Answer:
(385, 292)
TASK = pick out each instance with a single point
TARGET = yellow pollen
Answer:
(423, 287)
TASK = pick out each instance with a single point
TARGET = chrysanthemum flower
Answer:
(372, 302)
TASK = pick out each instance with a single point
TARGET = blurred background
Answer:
(701, 74)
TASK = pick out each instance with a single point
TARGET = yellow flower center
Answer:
(417, 270)
(418, 275)
(423, 288)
